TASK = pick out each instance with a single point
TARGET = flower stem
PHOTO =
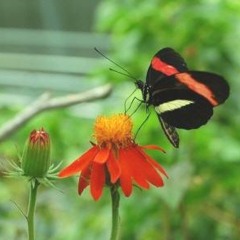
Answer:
(115, 212)
(31, 208)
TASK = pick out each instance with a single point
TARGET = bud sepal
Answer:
(35, 162)
(36, 155)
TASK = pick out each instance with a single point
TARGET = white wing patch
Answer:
(172, 105)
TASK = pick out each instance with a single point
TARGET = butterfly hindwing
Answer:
(191, 116)
(182, 108)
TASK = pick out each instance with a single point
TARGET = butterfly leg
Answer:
(126, 109)
(144, 121)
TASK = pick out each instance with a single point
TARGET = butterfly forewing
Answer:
(211, 86)
(165, 62)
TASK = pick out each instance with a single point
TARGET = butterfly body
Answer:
(181, 98)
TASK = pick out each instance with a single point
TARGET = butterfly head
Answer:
(145, 89)
(140, 84)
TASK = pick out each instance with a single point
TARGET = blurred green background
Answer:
(48, 46)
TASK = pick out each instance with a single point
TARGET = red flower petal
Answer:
(80, 163)
(152, 162)
(133, 162)
(153, 147)
(102, 155)
(97, 180)
(84, 179)
(125, 178)
(113, 168)
(148, 172)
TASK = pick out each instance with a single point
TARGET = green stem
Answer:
(115, 213)
(31, 208)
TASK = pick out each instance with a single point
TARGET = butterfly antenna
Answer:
(123, 73)
(127, 73)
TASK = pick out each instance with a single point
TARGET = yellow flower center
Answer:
(115, 130)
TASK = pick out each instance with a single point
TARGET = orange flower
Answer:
(115, 160)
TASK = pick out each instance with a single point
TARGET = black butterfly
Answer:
(181, 98)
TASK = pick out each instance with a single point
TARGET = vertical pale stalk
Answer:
(31, 208)
(115, 213)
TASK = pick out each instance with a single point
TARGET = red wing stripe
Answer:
(163, 67)
(197, 87)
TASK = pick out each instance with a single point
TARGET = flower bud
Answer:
(36, 154)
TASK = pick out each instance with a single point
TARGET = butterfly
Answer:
(182, 98)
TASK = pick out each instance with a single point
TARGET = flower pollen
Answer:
(113, 131)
